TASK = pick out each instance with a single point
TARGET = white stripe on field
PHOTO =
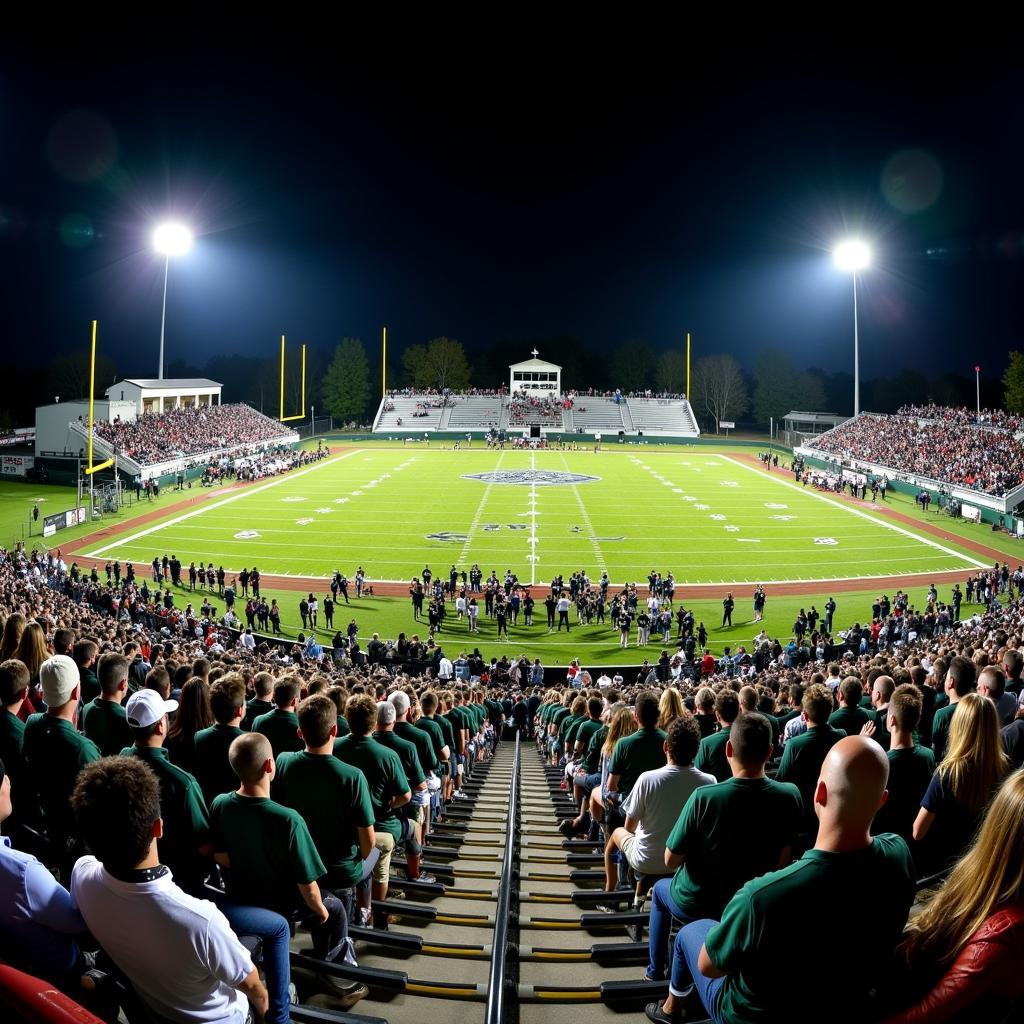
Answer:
(243, 493)
(464, 554)
(857, 512)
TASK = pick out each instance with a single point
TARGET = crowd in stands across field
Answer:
(988, 460)
(962, 415)
(524, 408)
(159, 437)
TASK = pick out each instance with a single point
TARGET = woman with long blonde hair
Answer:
(621, 722)
(670, 707)
(32, 651)
(963, 784)
(965, 945)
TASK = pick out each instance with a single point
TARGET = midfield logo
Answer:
(529, 477)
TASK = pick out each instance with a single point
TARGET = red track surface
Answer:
(881, 584)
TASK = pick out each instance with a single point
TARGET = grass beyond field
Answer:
(708, 517)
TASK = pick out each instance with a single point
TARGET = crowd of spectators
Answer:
(984, 459)
(962, 415)
(924, 708)
(178, 433)
(545, 409)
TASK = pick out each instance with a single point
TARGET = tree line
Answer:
(346, 381)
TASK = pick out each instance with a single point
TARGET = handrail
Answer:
(498, 987)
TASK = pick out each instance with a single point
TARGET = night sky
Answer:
(492, 197)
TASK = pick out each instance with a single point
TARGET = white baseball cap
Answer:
(146, 708)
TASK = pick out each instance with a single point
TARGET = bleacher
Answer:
(663, 416)
(471, 411)
(403, 408)
(668, 417)
(601, 414)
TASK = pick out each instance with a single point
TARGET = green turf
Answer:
(707, 516)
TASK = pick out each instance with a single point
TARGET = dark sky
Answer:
(606, 194)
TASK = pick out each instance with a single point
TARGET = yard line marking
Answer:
(533, 521)
(858, 512)
(464, 554)
(601, 564)
(244, 493)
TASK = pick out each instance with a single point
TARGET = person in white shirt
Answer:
(653, 805)
(460, 607)
(180, 954)
(445, 668)
(247, 640)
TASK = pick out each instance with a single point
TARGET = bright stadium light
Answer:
(853, 256)
(169, 240)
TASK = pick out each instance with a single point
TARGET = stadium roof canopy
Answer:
(175, 383)
(534, 364)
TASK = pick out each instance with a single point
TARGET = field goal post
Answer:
(301, 415)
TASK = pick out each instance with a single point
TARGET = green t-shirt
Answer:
(801, 763)
(940, 730)
(431, 728)
(213, 770)
(253, 709)
(270, 848)
(782, 912)
(585, 731)
(910, 771)
(850, 720)
(568, 726)
(106, 724)
(446, 730)
(421, 741)
(281, 728)
(765, 813)
(384, 775)
(334, 801)
(711, 756)
(55, 753)
(183, 810)
(407, 754)
(560, 712)
(592, 758)
(641, 752)
(12, 743)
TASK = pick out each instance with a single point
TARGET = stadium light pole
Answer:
(977, 392)
(853, 256)
(169, 240)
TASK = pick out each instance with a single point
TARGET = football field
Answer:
(709, 517)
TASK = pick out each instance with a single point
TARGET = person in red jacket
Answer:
(966, 946)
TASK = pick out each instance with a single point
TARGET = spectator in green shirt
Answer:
(911, 766)
(737, 963)
(269, 852)
(261, 703)
(961, 679)
(55, 752)
(211, 745)
(185, 846)
(103, 720)
(710, 865)
(803, 755)
(85, 652)
(334, 801)
(642, 752)
(850, 717)
(711, 756)
(14, 680)
(281, 726)
(389, 787)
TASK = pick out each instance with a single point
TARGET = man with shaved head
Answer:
(737, 963)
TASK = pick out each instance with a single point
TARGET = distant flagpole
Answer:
(384, 363)
(687, 365)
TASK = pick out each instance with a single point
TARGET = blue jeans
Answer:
(664, 910)
(273, 929)
(688, 946)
